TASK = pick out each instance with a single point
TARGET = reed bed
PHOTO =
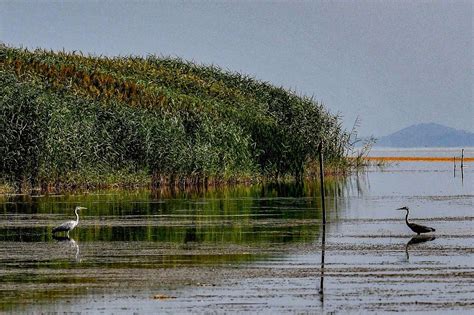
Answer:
(71, 120)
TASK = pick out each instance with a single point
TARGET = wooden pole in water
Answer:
(321, 175)
(323, 250)
(462, 159)
(323, 205)
(454, 160)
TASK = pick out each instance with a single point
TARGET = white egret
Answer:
(69, 225)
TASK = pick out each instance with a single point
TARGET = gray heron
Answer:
(417, 228)
(69, 225)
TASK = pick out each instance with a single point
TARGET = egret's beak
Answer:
(82, 208)
(402, 208)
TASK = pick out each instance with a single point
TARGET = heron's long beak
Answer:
(82, 208)
(402, 208)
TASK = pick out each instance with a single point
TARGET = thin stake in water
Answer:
(454, 159)
(323, 205)
(321, 174)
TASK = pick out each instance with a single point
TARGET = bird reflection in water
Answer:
(67, 241)
(416, 240)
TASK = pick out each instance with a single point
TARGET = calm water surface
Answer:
(247, 249)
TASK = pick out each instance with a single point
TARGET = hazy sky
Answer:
(391, 63)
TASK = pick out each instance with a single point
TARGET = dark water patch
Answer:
(223, 233)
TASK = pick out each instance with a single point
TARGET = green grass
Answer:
(71, 120)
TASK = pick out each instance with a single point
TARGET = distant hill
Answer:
(428, 135)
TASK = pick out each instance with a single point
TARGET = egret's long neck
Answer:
(406, 218)
(77, 216)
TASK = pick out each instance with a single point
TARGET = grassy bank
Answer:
(68, 120)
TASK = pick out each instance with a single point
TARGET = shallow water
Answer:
(423, 152)
(252, 249)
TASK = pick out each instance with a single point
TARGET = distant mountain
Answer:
(428, 135)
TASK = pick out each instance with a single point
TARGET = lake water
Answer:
(248, 249)
(423, 152)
